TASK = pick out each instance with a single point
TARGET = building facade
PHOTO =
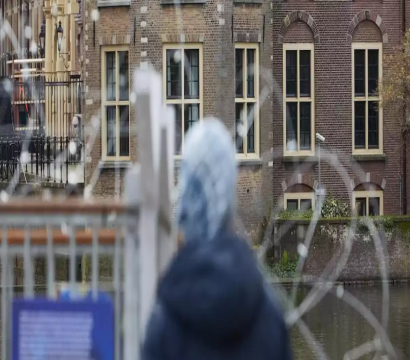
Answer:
(328, 59)
(312, 67)
(276, 72)
(198, 47)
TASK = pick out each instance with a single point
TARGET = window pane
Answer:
(110, 75)
(361, 206)
(373, 74)
(305, 204)
(111, 131)
(23, 116)
(373, 125)
(239, 127)
(305, 134)
(173, 74)
(191, 116)
(374, 206)
(124, 76)
(291, 56)
(291, 126)
(250, 57)
(292, 205)
(124, 131)
(359, 69)
(359, 124)
(191, 65)
(251, 129)
(239, 73)
(304, 73)
(178, 128)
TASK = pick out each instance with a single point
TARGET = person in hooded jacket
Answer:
(212, 302)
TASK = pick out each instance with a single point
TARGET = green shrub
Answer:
(295, 214)
(281, 270)
(285, 258)
(334, 208)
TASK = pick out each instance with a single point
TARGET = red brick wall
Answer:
(298, 32)
(328, 243)
(367, 31)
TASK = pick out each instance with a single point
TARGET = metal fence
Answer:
(47, 105)
(40, 158)
(36, 235)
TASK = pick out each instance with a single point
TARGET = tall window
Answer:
(367, 123)
(183, 87)
(301, 201)
(368, 203)
(116, 104)
(247, 100)
(298, 83)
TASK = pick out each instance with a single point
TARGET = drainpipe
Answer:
(404, 134)
(401, 193)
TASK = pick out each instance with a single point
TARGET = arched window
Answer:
(368, 202)
(366, 74)
(299, 201)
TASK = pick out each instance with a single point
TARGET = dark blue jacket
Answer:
(213, 305)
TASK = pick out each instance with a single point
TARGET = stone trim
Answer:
(369, 177)
(248, 1)
(104, 165)
(182, 2)
(299, 15)
(113, 3)
(367, 15)
(247, 37)
(369, 157)
(299, 159)
(299, 179)
(114, 40)
(182, 38)
(247, 162)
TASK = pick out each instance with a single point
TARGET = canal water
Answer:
(339, 328)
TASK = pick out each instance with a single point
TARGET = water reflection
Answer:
(339, 328)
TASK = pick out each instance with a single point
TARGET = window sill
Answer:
(240, 162)
(113, 3)
(368, 157)
(115, 164)
(248, 1)
(249, 162)
(299, 158)
(183, 2)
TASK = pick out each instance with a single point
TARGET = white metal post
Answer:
(132, 197)
(155, 179)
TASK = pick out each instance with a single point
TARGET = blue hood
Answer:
(214, 289)
(213, 304)
(207, 181)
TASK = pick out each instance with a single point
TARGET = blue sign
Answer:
(62, 329)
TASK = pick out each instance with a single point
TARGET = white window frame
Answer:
(116, 103)
(369, 194)
(298, 99)
(310, 195)
(367, 98)
(182, 101)
(245, 100)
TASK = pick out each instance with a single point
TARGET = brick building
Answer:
(312, 67)
(211, 40)
(342, 43)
